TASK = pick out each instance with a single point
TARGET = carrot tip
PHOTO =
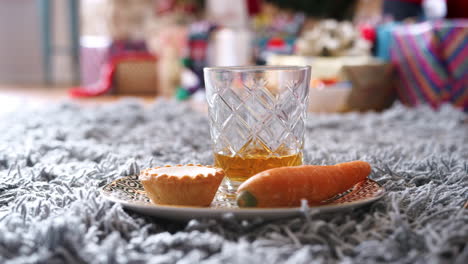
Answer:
(246, 199)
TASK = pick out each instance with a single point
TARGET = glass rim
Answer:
(254, 68)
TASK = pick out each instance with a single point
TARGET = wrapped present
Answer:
(97, 52)
(101, 62)
(384, 40)
(373, 87)
(453, 38)
(93, 56)
(126, 74)
(136, 76)
(431, 61)
(120, 48)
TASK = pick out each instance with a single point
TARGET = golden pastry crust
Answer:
(189, 185)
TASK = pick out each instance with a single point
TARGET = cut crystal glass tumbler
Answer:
(257, 117)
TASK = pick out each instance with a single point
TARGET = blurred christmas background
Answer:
(364, 53)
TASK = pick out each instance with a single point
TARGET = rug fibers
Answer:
(53, 161)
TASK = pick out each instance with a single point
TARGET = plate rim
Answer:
(237, 210)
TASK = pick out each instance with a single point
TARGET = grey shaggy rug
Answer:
(54, 160)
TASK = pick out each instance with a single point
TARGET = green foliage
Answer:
(182, 94)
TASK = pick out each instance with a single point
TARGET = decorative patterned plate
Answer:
(129, 192)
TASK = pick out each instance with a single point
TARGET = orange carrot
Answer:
(286, 186)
